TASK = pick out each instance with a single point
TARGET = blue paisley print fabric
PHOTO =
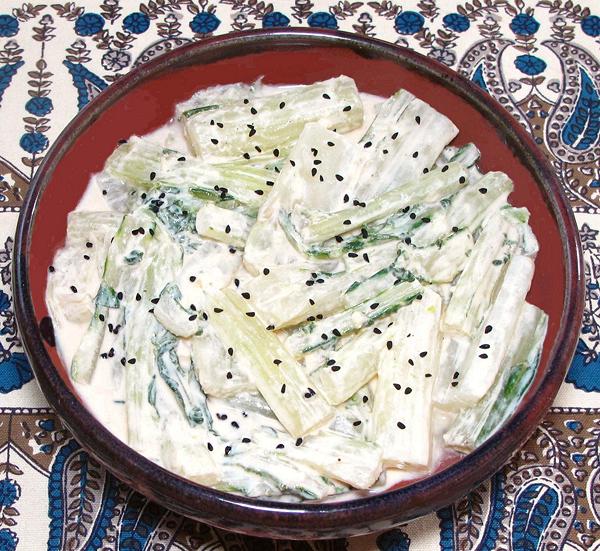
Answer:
(538, 58)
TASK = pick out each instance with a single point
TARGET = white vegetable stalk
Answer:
(489, 347)
(407, 369)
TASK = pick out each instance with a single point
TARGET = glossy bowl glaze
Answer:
(144, 100)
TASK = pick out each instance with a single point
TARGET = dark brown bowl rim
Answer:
(300, 519)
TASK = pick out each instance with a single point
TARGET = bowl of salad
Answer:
(298, 283)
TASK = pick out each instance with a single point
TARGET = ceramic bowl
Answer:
(144, 100)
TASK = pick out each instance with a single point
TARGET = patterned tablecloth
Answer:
(539, 58)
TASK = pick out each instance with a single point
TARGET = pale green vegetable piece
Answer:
(474, 425)
(407, 369)
(317, 334)
(172, 315)
(350, 460)
(493, 339)
(406, 137)
(228, 129)
(189, 458)
(349, 367)
(220, 370)
(430, 187)
(276, 374)
(225, 225)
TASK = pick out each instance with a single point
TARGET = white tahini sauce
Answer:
(106, 401)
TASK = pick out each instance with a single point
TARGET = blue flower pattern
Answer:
(89, 24)
(530, 64)
(456, 22)
(136, 23)
(9, 26)
(409, 22)
(33, 142)
(39, 106)
(524, 24)
(322, 20)
(8, 540)
(205, 23)
(275, 19)
(10, 492)
(590, 25)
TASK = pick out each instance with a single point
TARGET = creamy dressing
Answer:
(105, 395)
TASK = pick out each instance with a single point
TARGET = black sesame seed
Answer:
(326, 96)
(292, 162)
(311, 301)
(279, 447)
(210, 447)
(259, 191)
(462, 180)
(337, 333)
(324, 336)
(415, 154)
(155, 300)
(227, 450)
(122, 361)
(235, 424)
(250, 314)
(374, 305)
(487, 329)
(270, 183)
(313, 172)
(204, 316)
(365, 399)
(282, 105)
(253, 110)
(246, 155)
(193, 317)
(427, 375)
(193, 278)
(217, 310)
(389, 345)
(152, 175)
(483, 190)
(222, 416)
(377, 331)
(400, 425)
(411, 362)
(394, 135)
(483, 356)
(330, 144)
(73, 288)
(214, 141)
(397, 386)
(368, 144)
(51, 269)
(347, 108)
(277, 361)
(276, 152)
(347, 222)
(356, 423)
(252, 131)
(283, 388)
(270, 327)
(352, 255)
(246, 440)
(455, 229)
(266, 271)
(86, 256)
(309, 282)
(484, 346)
(366, 257)
(335, 368)
(230, 351)
(423, 354)
(407, 390)
(426, 220)
(89, 245)
(364, 233)
(101, 317)
(131, 361)
(412, 216)
(298, 441)
(418, 119)
(339, 177)
(454, 383)
(408, 240)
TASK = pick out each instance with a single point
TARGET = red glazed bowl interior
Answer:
(145, 100)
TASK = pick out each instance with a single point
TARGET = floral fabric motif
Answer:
(537, 58)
